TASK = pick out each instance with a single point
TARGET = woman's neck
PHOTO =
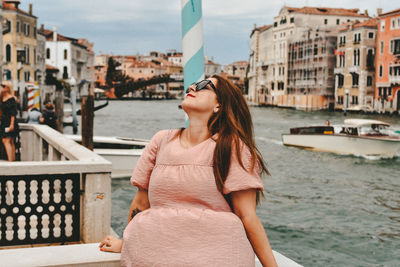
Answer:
(6, 96)
(196, 133)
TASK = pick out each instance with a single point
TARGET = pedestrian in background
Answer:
(49, 116)
(34, 116)
(8, 125)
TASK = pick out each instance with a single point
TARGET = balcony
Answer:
(394, 80)
(354, 69)
(339, 70)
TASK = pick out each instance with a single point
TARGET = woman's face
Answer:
(203, 101)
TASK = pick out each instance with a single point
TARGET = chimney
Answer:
(366, 12)
(54, 34)
(30, 8)
(41, 27)
(255, 25)
(379, 11)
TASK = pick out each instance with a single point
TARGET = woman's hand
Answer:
(111, 244)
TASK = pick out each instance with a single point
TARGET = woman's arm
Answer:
(244, 206)
(12, 123)
(139, 203)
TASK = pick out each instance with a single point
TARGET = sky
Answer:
(129, 27)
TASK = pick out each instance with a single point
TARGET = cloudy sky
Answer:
(139, 26)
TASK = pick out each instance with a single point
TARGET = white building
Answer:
(289, 23)
(73, 57)
(211, 68)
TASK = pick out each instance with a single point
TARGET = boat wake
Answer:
(270, 140)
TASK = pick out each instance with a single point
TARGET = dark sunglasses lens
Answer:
(202, 85)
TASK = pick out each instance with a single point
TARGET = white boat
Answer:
(356, 137)
(122, 152)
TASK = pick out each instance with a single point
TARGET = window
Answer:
(275, 24)
(34, 56)
(65, 54)
(371, 35)
(8, 74)
(48, 53)
(396, 49)
(18, 26)
(390, 91)
(391, 46)
(370, 58)
(337, 21)
(326, 21)
(27, 55)
(340, 80)
(355, 79)
(369, 80)
(8, 53)
(381, 47)
(27, 75)
(272, 85)
(382, 25)
(291, 20)
(65, 72)
(393, 24)
(380, 70)
(34, 32)
(315, 49)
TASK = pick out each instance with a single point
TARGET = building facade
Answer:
(355, 66)
(290, 23)
(311, 61)
(74, 58)
(19, 46)
(387, 90)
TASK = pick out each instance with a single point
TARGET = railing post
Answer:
(96, 207)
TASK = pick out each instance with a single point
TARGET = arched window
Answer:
(8, 53)
(65, 54)
(48, 53)
(65, 73)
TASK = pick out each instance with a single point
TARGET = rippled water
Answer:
(321, 209)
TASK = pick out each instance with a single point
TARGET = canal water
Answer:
(321, 209)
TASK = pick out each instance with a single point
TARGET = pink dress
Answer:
(189, 223)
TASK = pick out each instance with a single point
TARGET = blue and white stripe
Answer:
(192, 41)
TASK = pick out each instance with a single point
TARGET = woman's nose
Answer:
(191, 88)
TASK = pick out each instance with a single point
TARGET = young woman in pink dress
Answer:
(198, 189)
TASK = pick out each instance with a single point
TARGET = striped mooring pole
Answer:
(192, 41)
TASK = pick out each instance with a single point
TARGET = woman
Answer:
(198, 188)
(9, 125)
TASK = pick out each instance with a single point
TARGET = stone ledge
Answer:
(84, 255)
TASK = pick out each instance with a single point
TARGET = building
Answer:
(19, 46)
(261, 78)
(73, 57)
(355, 66)
(387, 90)
(311, 61)
(211, 68)
(41, 56)
(290, 23)
(237, 68)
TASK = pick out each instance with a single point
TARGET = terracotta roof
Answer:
(261, 29)
(371, 23)
(79, 42)
(327, 11)
(11, 6)
(144, 64)
(48, 67)
(393, 12)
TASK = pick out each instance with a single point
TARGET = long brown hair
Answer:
(234, 127)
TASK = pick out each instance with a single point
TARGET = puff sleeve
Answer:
(242, 179)
(147, 161)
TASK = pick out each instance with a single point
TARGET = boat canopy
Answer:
(363, 122)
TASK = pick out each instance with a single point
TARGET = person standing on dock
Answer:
(34, 116)
(49, 116)
(198, 188)
(8, 124)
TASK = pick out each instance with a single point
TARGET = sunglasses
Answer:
(201, 86)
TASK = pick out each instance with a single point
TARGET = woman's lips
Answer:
(190, 95)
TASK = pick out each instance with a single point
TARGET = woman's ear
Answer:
(216, 109)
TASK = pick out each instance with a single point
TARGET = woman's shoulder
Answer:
(10, 99)
(166, 134)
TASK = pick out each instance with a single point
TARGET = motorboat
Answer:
(122, 152)
(358, 137)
